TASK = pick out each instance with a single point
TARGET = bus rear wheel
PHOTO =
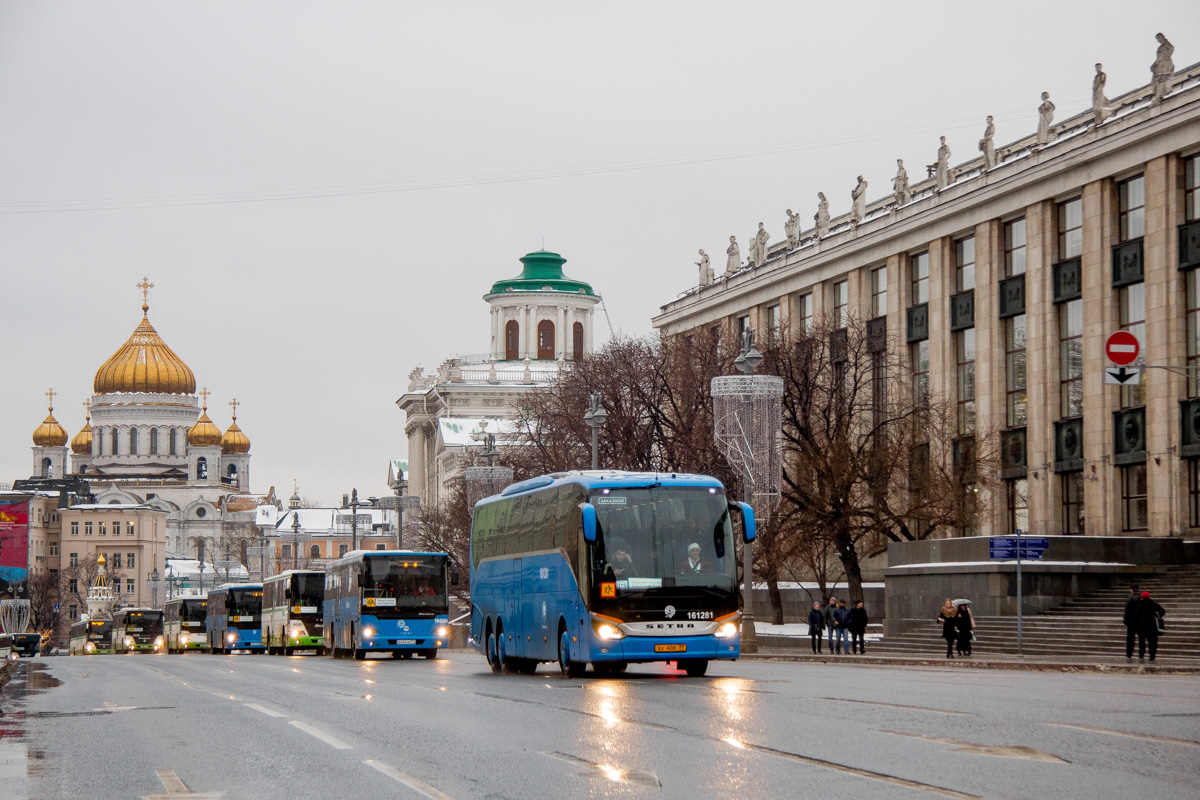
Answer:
(610, 667)
(431, 653)
(492, 659)
(569, 668)
(695, 667)
(359, 654)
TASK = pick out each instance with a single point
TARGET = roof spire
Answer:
(87, 410)
(51, 393)
(234, 404)
(145, 286)
(204, 393)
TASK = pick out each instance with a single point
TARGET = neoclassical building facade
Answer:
(999, 281)
(540, 320)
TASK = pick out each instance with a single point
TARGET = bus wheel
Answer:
(695, 667)
(503, 661)
(431, 652)
(610, 667)
(287, 651)
(569, 668)
(360, 654)
(492, 659)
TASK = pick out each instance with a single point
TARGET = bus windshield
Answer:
(654, 537)
(244, 602)
(413, 581)
(193, 610)
(308, 591)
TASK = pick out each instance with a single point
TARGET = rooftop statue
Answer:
(706, 270)
(1162, 71)
(987, 146)
(858, 196)
(733, 262)
(900, 183)
(792, 229)
(758, 246)
(1100, 108)
(822, 215)
(1045, 117)
(943, 165)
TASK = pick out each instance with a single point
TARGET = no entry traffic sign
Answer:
(1122, 348)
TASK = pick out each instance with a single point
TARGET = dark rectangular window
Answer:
(1014, 362)
(73, 585)
(1133, 497)
(841, 303)
(1070, 358)
(964, 264)
(286, 551)
(964, 347)
(1193, 332)
(1191, 197)
(74, 559)
(172, 441)
(1070, 229)
(1193, 466)
(1017, 492)
(129, 561)
(1131, 196)
(773, 323)
(1132, 318)
(919, 353)
(919, 274)
(879, 291)
(1014, 247)
(116, 561)
(1072, 503)
(804, 312)
(74, 528)
(743, 325)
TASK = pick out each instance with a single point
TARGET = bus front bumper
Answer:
(665, 648)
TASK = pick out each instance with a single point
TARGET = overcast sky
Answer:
(322, 192)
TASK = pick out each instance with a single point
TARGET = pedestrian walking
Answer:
(841, 618)
(949, 619)
(829, 626)
(816, 624)
(1130, 619)
(966, 624)
(858, 627)
(1149, 616)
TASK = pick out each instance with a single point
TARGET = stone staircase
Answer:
(1088, 626)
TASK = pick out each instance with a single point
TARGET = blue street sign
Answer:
(1005, 547)
(56, 608)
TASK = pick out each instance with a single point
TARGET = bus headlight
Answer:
(230, 637)
(129, 641)
(158, 642)
(727, 630)
(183, 638)
(443, 632)
(368, 632)
(607, 632)
(89, 647)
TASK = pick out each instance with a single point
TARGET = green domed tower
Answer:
(541, 314)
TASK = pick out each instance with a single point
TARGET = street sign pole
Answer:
(1020, 652)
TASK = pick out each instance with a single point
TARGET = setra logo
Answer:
(669, 611)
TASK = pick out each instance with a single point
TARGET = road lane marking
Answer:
(897, 705)
(862, 773)
(418, 786)
(263, 710)
(643, 777)
(1000, 750)
(176, 788)
(1147, 737)
(324, 737)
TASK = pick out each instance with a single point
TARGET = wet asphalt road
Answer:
(300, 727)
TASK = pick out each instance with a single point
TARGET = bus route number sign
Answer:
(608, 590)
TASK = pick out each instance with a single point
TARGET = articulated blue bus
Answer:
(606, 568)
(234, 618)
(390, 601)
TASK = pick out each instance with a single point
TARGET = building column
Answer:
(1164, 470)
(560, 335)
(589, 320)
(1101, 489)
(989, 362)
(1041, 377)
(416, 454)
(942, 364)
(528, 338)
(495, 338)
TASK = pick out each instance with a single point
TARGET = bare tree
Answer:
(43, 594)
(446, 528)
(869, 455)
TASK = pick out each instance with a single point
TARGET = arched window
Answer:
(99, 441)
(154, 441)
(546, 340)
(231, 471)
(314, 551)
(46, 468)
(201, 469)
(172, 441)
(115, 441)
(512, 341)
(133, 441)
(577, 341)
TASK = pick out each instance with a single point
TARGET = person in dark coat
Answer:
(1130, 619)
(949, 619)
(1149, 616)
(841, 621)
(816, 624)
(966, 624)
(829, 623)
(858, 627)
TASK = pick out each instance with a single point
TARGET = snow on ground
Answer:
(799, 630)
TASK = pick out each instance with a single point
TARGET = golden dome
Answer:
(81, 445)
(234, 441)
(100, 560)
(204, 433)
(144, 364)
(50, 433)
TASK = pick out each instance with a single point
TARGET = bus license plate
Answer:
(135, 630)
(406, 641)
(670, 648)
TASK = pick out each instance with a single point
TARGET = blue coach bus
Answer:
(234, 618)
(606, 568)
(387, 601)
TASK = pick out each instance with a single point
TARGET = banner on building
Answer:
(266, 516)
(14, 548)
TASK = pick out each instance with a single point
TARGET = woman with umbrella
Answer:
(949, 619)
(966, 624)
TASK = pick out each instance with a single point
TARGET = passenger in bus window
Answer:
(694, 563)
(622, 560)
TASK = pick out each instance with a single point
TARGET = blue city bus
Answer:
(387, 601)
(234, 618)
(606, 568)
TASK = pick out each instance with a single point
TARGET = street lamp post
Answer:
(353, 519)
(153, 579)
(595, 417)
(400, 502)
(295, 540)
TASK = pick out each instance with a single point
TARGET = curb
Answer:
(972, 663)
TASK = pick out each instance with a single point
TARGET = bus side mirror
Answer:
(747, 521)
(589, 522)
(454, 578)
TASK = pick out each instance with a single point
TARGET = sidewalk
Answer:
(1163, 665)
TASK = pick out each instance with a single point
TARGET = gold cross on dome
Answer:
(51, 395)
(234, 404)
(204, 393)
(145, 286)
(87, 409)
